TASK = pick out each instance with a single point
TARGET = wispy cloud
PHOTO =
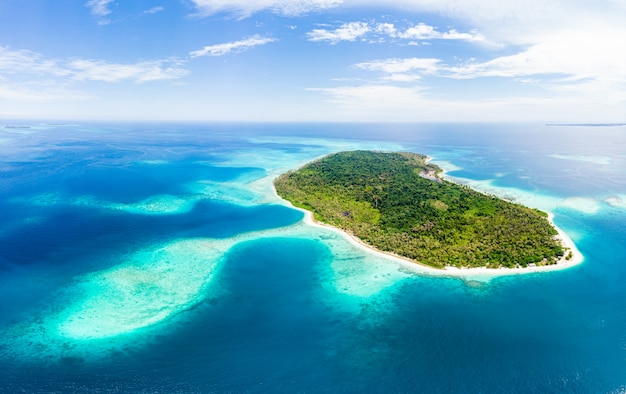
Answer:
(28, 76)
(377, 32)
(556, 63)
(23, 63)
(557, 75)
(423, 31)
(153, 10)
(245, 8)
(346, 32)
(575, 55)
(232, 47)
(519, 22)
(394, 65)
(100, 9)
(98, 70)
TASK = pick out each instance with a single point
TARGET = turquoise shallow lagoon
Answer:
(157, 258)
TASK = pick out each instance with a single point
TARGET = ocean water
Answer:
(157, 258)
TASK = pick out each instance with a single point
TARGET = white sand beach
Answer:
(415, 266)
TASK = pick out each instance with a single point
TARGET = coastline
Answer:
(417, 267)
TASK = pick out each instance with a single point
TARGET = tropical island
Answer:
(396, 202)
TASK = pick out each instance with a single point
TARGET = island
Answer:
(396, 202)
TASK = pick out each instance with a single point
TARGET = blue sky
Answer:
(314, 60)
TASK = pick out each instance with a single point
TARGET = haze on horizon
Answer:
(314, 60)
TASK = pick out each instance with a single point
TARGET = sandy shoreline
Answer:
(415, 266)
(563, 263)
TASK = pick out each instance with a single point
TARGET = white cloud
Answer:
(565, 86)
(564, 52)
(577, 54)
(568, 63)
(245, 8)
(98, 70)
(386, 29)
(23, 64)
(490, 9)
(420, 32)
(394, 66)
(24, 61)
(378, 32)
(519, 22)
(515, 22)
(402, 78)
(455, 35)
(100, 9)
(548, 68)
(425, 32)
(346, 32)
(235, 46)
(153, 10)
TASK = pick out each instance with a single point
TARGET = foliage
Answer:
(396, 203)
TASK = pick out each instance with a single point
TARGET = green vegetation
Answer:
(396, 203)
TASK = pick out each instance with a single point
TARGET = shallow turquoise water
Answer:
(156, 258)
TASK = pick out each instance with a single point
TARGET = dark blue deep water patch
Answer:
(61, 229)
(117, 185)
(220, 220)
(67, 233)
(122, 173)
(38, 258)
(138, 182)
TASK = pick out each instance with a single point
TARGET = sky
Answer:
(314, 60)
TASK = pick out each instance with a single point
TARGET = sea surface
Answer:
(156, 258)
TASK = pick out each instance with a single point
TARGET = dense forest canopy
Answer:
(395, 202)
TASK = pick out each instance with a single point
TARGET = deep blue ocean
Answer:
(156, 258)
